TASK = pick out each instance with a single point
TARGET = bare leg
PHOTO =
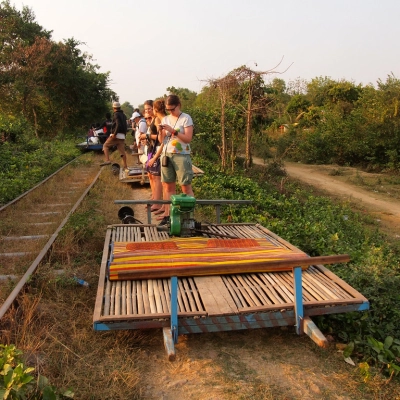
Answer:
(187, 189)
(124, 160)
(170, 189)
(106, 152)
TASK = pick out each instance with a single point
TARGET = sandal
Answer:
(164, 221)
(153, 210)
(161, 217)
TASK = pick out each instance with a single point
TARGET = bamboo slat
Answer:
(258, 288)
(140, 298)
(150, 292)
(112, 300)
(134, 298)
(238, 298)
(145, 296)
(123, 298)
(183, 294)
(107, 298)
(118, 298)
(280, 290)
(162, 295)
(189, 294)
(199, 305)
(325, 281)
(157, 297)
(129, 310)
(246, 291)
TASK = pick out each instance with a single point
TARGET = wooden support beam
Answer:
(314, 333)
(169, 344)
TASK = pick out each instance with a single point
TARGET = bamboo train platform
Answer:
(183, 304)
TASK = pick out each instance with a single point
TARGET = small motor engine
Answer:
(181, 214)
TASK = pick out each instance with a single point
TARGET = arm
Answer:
(185, 137)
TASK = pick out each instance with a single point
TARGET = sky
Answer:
(150, 46)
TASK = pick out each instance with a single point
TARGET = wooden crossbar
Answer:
(228, 269)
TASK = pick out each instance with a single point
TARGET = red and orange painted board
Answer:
(176, 253)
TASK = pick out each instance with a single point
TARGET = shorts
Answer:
(179, 167)
(113, 141)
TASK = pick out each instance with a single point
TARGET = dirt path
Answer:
(383, 206)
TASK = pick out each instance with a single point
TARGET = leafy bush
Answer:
(17, 382)
(29, 161)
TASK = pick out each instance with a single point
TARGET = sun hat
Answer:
(116, 104)
(135, 115)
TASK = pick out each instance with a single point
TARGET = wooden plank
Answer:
(214, 295)
(102, 279)
(310, 329)
(169, 344)
(151, 317)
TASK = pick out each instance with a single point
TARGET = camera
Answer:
(165, 161)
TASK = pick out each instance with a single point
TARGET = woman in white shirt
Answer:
(177, 130)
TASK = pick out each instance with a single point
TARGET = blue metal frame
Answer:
(298, 299)
(174, 308)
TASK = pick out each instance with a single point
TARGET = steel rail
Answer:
(13, 295)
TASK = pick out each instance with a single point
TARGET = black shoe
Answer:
(164, 221)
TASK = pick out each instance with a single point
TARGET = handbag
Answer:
(155, 169)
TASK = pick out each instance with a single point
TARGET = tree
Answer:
(186, 96)
(41, 79)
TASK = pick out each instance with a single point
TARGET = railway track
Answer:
(31, 223)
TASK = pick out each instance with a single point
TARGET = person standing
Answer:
(106, 126)
(141, 129)
(159, 113)
(152, 145)
(177, 129)
(117, 136)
